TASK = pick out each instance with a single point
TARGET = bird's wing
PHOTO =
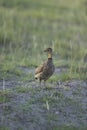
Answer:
(39, 68)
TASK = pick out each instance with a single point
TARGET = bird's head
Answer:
(49, 52)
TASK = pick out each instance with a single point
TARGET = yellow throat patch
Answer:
(49, 55)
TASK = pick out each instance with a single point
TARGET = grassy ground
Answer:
(27, 27)
(56, 107)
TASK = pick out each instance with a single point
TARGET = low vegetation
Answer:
(27, 27)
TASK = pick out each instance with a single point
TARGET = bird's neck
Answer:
(50, 56)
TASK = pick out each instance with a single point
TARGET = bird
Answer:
(45, 70)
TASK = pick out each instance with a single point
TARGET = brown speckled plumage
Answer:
(45, 70)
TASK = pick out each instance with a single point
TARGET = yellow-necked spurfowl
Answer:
(45, 70)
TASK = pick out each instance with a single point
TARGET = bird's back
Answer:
(45, 70)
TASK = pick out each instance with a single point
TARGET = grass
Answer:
(27, 27)
(4, 96)
(23, 89)
(4, 128)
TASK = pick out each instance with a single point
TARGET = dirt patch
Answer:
(37, 108)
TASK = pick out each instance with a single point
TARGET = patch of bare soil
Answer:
(30, 107)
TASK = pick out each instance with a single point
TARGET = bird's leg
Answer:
(40, 82)
(44, 83)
